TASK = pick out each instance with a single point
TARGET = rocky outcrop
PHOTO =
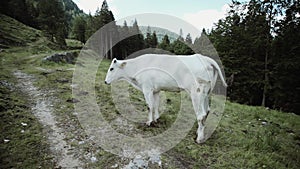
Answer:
(66, 57)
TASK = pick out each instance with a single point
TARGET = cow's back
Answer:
(184, 69)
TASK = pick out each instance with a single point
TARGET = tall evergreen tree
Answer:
(234, 43)
(285, 64)
(137, 40)
(180, 38)
(203, 45)
(79, 28)
(105, 20)
(52, 20)
(125, 43)
(148, 39)
(188, 39)
(154, 41)
(259, 52)
(90, 26)
(165, 43)
(103, 16)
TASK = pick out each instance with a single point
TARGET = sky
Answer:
(200, 13)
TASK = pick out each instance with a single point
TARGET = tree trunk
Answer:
(268, 48)
(111, 48)
(266, 80)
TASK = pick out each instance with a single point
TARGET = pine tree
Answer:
(203, 45)
(233, 40)
(180, 38)
(125, 43)
(103, 16)
(137, 39)
(165, 43)
(79, 28)
(90, 26)
(52, 20)
(148, 39)
(188, 39)
(105, 20)
(154, 41)
(285, 63)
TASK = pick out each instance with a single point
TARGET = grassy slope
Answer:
(247, 137)
(27, 146)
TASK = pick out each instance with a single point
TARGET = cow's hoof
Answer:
(148, 123)
(200, 141)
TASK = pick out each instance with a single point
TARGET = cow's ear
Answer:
(123, 65)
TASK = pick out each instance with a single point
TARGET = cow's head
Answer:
(115, 71)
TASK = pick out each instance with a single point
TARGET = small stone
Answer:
(6, 140)
(24, 124)
(73, 100)
(93, 159)
(115, 166)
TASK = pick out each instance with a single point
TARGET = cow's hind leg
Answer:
(148, 94)
(198, 99)
(156, 106)
(206, 104)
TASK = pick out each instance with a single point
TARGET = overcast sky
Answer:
(200, 13)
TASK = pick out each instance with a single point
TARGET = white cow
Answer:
(151, 73)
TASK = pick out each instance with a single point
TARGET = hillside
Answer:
(27, 12)
(246, 137)
(15, 34)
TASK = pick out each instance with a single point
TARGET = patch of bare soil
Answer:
(42, 108)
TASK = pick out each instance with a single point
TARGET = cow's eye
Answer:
(111, 69)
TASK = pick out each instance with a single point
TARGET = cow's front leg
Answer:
(200, 131)
(148, 94)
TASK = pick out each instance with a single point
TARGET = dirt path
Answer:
(43, 110)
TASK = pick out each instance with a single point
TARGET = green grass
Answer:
(27, 147)
(75, 44)
(243, 140)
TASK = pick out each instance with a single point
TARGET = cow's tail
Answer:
(216, 66)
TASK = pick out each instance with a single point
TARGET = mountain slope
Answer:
(15, 34)
(160, 33)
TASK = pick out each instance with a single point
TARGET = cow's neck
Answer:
(130, 72)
